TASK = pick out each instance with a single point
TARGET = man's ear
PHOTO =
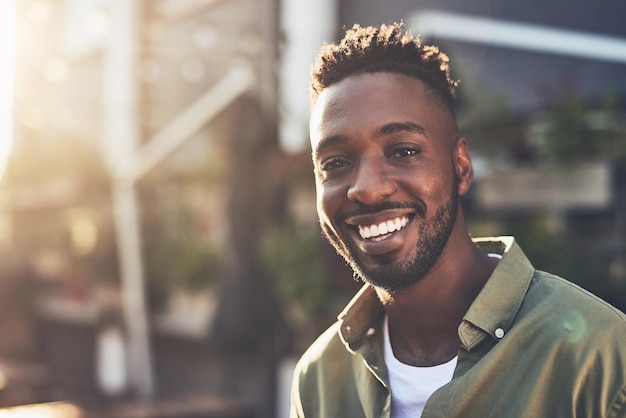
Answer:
(463, 165)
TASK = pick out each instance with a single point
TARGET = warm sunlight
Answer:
(7, 20)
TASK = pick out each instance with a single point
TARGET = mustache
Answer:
(420, 210)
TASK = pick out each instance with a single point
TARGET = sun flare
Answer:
(7, 37)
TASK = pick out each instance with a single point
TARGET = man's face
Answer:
(386, 157)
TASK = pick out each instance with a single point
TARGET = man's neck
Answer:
(424, 319)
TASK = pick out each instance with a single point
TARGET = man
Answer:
(446, 325)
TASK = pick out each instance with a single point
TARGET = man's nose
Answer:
(370, 184)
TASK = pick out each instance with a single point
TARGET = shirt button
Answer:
(499, 333)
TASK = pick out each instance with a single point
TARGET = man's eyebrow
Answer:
(396, 127)
(329, 141)
(387, 129)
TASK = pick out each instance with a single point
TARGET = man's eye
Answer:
(404, 152)
(333, 164)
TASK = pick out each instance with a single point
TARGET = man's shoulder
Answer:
(567, 305)
(565, 293)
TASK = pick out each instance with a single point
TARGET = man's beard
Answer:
(396, 276)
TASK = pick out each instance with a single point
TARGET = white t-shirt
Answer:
(412, 386)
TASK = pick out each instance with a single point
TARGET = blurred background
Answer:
(161, 254)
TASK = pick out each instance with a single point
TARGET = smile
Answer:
(383, 228)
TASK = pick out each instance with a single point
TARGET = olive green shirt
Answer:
(532, 345)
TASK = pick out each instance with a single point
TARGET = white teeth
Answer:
(383, 228)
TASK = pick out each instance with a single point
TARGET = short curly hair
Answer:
(384, 49)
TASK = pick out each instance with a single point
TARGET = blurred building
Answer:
(170, 106)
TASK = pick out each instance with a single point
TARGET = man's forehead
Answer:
(374, 94)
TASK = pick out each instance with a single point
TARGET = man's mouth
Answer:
(378, 230)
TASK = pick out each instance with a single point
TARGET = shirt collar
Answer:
(497, 304)
(491, 313)
(359, 317)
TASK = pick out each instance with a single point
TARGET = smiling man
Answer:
(445, 325)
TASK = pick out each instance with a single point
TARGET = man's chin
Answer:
(391, 276)
(384, 271)
(393, 286)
